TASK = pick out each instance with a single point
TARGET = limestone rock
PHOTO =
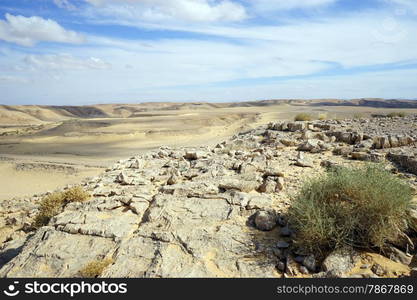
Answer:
(123, 179)
(339, 261)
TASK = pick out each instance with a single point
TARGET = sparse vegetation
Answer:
(76, 194)
(95, 268)
(399, 114)
(52, 204)
(303, 117)
(360, 207)
(358, 116)
(322, 117)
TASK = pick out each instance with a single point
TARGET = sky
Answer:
(56, 52)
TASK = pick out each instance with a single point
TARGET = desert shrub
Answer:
(303, 117)
(76, 194)
(322, 117)
(95, 268)
(358, 116)
(400, 114)
(359, 207)
(52, 204)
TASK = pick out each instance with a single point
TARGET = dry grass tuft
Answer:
(95, 268)
(399, 114)
(303, 117)
(322, 117)
(76, 194)
(52, 204)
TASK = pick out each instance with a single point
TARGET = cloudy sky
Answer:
(97, 51)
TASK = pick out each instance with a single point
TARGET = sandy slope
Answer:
(28, 182)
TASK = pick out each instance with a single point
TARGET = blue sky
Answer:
(98, 51)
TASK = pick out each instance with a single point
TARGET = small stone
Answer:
(361, 156)
(194, 155)
(328, 164)
(285, 231)
(282, 245)
(173, 180)
(265, 221)
(280, 184)
(292, 268)
(310, 263)
(304, 163)
(281, 266)
(339, 261)
(311, 145)
(123, 179)
(378, 270)
(281, 221)
(278, 253)
(299, 259)
(137, 164)
(304, 270)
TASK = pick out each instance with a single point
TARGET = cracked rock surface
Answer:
(199, 212)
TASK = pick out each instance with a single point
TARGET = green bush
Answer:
(95, 268)
(303, 117)
(52, 204)
(359, 207)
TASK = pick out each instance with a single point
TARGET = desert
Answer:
(268, 144)
(196, 190)
(49, 147)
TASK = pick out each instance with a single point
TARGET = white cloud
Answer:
(63, 62)
(410, 5)
(12, 79)
(29, 31)
(191, 69)
(65, 4)
(282, 5)
(171, 10)
(363, 39)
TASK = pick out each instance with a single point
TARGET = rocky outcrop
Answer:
(197, 212)
(405, 159)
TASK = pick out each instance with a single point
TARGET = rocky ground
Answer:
(212, 212)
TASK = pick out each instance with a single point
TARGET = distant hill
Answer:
(39, 114)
